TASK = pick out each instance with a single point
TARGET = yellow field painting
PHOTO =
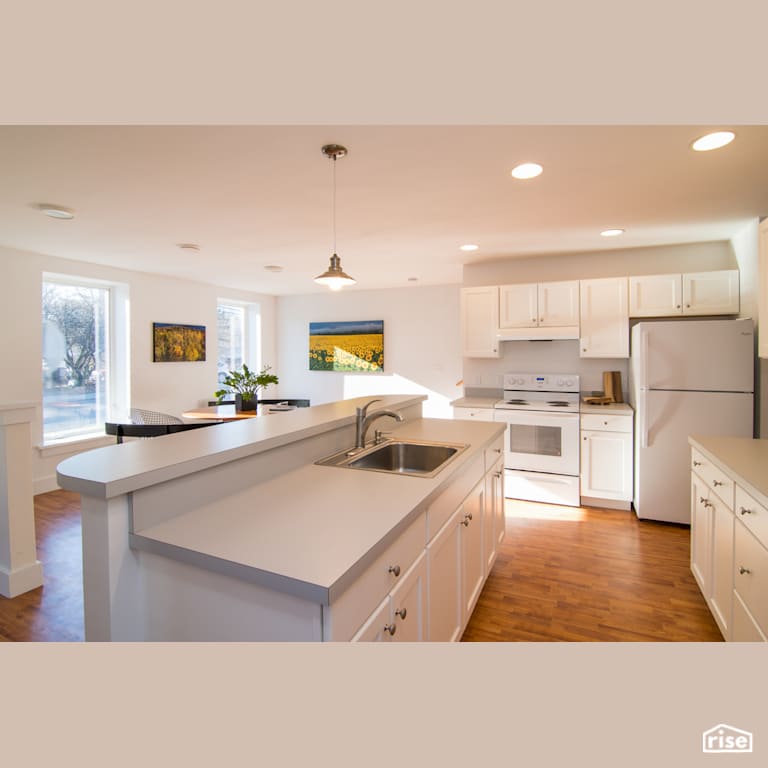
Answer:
(354, 351)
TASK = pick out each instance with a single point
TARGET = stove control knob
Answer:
(569, 383)
(560, 382)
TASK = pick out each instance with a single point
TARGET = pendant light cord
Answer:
(334, 203)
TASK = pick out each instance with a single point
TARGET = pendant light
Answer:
(334, 277)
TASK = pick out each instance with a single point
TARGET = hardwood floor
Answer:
(562, 574)
(55, 610)
(567, 574)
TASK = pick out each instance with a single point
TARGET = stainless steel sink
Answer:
(402, 457)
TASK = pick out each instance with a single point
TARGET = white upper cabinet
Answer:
(604, 318)
(519, 306)
(695, 293)
(550, 308)
(655, 295)
(559, 303)
(480, 321)
(711, 293)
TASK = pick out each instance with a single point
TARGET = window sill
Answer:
(74, 445)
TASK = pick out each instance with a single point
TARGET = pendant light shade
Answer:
(334, 277)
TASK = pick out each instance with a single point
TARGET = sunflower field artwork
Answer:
(173, 343)
(350, 346)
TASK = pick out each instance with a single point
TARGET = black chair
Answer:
(145, 423)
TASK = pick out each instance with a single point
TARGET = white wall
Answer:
(563, 356)
(167, 387)
(422, 350)
(746, 249)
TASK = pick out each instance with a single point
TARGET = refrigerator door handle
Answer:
(642, 409)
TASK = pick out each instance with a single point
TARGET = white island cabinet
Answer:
(233, 533)
(729, 532)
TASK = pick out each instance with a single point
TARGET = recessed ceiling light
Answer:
(526, 171)
(188, 246)
(413, 279)
(713, 141)
(56, 211)
(612, 232)
(273, 268)
(468, 247)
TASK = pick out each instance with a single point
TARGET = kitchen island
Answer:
(234, 533)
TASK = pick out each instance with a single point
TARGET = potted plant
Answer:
(245, 385)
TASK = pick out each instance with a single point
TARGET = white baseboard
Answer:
(13, 583)
(44, 484)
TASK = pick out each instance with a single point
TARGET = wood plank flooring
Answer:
(571, 574)
(562, 574)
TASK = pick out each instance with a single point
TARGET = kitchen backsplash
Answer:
(541, 357)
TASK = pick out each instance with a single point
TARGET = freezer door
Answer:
(702, 355)
(662, 454)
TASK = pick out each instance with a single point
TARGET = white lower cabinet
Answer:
(729, 556)
(401, 615)
(444, 622)
(435, 598)
(607, 451)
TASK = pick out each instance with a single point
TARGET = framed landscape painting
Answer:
(174, 343)
(352, 345)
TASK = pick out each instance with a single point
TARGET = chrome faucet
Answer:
(364, 421)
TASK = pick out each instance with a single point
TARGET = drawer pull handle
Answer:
(391, 628)
(498, 474)
(394, 569)
(743, 570)
(716, 483)
(497, 450)
(402, 613)
(468, 515)
(707, 504)
(465, 522)
(696, 463)
(745, 511)
(702, 499)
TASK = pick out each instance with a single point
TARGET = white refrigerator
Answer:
(686, 377)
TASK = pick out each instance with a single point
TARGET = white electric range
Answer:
(541, 456)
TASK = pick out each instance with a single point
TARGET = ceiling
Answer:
(406, 196)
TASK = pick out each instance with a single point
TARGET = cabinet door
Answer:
(480, 321)
(721, 599)
(407, 603)
(559, 304)
(606, 465)
(604, 317)
(444, 583)
(700, 534)
(711, 293)
(494, 521)
(472, 560)
(518, 306)
(655, 295)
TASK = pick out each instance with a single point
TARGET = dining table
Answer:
(220, 413)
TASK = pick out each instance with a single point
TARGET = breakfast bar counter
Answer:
(238, 519)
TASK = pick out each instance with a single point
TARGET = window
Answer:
(78, 357)
(238, 334)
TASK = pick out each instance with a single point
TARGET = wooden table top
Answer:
(220, 413)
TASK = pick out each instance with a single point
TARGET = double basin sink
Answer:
(401, 457)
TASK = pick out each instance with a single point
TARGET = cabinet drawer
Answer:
(713, 477)
(753, 514)
(607, 423)
(481, 414)
(366, 592)
(750, 574)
